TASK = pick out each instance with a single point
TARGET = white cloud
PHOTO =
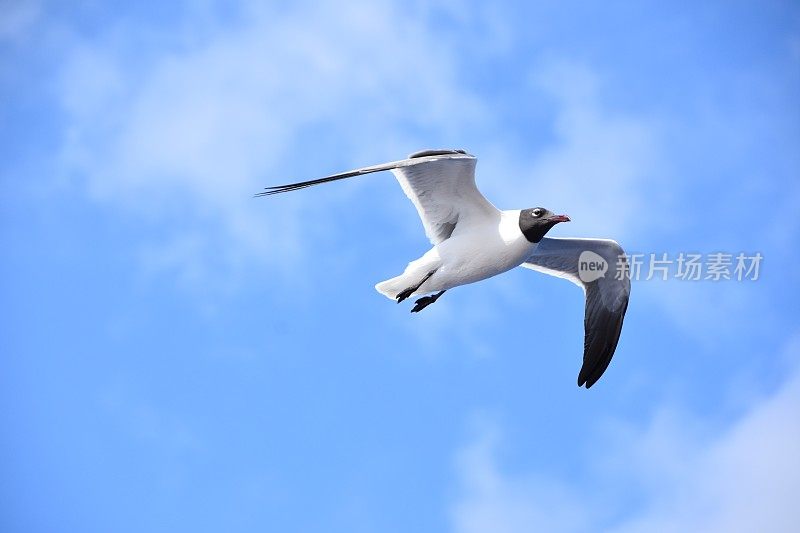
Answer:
(743, 477)
(745, 480)
(196, 123)
(199, 124)
(600, 166)
(493, 501)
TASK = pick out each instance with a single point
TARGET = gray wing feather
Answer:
(443, 190)
(606, 297)
(440, 184)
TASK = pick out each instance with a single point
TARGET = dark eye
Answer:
(537, 213)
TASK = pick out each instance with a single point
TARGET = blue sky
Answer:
(178, 356)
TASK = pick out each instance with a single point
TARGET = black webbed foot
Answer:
(425, 301)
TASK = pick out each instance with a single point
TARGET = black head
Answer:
(536, 222)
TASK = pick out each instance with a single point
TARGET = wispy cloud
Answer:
(495, 501)
(744, 479)
(741, 477)
(197, 125)
(599, 164)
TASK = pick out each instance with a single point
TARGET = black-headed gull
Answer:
(473, 240)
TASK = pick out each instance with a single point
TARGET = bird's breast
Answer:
(482, 254)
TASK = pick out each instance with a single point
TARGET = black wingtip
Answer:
(583, 380)
(265, 192)
(599, 350)
(277, 189)
(426, 153)
(588, 376)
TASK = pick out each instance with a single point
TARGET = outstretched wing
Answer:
(440, 184)
(606, 296)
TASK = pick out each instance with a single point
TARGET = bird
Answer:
(472, 240)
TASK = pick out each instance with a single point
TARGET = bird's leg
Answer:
(409, 291)
(425, 301)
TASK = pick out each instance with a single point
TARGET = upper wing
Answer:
(606, 296)
(440, 184)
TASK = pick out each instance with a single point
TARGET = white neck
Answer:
(509, 225)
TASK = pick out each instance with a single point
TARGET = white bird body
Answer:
(473, 240)
(473, 254)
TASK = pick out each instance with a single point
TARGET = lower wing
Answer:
(600, 267)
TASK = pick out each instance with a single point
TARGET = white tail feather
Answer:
(392, 287)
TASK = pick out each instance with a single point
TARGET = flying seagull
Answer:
(473, 240)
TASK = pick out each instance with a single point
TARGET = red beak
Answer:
(559, 218)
